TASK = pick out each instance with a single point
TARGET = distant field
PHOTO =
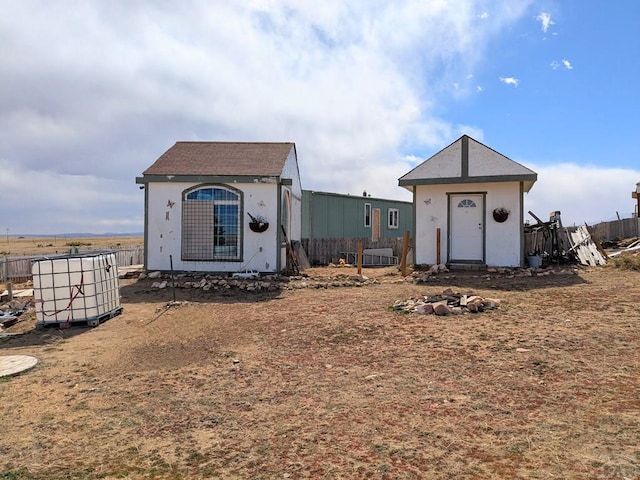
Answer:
(61, 244)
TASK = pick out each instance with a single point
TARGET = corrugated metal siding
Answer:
(330, 215)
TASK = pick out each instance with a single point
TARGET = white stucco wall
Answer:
(502, 240)
(165, 223)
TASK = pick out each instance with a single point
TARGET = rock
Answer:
(424, 309)
(441, 308)
(155, 274)
(359, 278)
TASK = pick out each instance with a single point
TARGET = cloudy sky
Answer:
(91, 93)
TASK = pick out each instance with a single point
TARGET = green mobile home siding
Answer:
(332, 215)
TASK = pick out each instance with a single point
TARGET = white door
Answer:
(466, 234)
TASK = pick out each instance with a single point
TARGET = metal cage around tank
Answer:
(76, 290)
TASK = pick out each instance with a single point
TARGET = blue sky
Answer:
(93, 92)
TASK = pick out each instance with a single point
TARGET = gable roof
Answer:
(223, 159)
(468, 161)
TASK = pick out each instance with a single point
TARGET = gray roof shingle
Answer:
(222, 159)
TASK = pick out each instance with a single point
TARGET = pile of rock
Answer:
(446, 303)
(267, 283)
(432, 274)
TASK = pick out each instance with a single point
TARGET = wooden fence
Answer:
(616, 229)
(323, 251)
(18, 268)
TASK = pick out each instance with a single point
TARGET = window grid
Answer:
(367, 215)
(393, 218)
(211, 225)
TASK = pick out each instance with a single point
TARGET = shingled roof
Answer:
(222, 159)
(468, 161)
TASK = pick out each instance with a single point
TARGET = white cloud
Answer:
(484, 15)
(565, 63)
(510, 81)
(571, 189)
(104, 88)
(545, 21)
(479, 88)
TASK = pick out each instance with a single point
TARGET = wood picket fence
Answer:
(323, 251)
(18, 268)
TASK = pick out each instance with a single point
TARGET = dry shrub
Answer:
(626, 261)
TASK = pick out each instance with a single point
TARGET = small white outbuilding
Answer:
(468, 206)
(222, 207)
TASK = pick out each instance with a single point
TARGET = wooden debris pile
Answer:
(557, 244)
(10, 313)
(630, 246)
(446, 303)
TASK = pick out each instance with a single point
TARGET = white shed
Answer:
(468, 206)
(201, 199)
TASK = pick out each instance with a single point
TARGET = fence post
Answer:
(405, 251)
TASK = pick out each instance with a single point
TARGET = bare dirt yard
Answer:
(332, 383)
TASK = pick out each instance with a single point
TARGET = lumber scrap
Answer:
(584, 248)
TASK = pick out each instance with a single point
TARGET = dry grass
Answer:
(330, 383)
(626, 260)
(61, 244)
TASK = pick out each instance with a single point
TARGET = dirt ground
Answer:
(331, 383)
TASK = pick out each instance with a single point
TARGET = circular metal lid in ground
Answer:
(14, 364)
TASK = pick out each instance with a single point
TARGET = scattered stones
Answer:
(434, 273)
(266, 283)
(447, 303)
(276, 282)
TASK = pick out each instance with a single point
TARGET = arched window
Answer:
(466, 203)
(211, 224)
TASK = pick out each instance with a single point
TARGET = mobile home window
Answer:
(211, 224)
(393, 218)
(367, 215)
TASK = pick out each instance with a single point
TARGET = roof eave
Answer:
(266, 179)
(405, 182)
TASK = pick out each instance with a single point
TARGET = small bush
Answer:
(77, 244)
(625, 261)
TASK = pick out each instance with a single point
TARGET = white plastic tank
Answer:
(76, 289)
